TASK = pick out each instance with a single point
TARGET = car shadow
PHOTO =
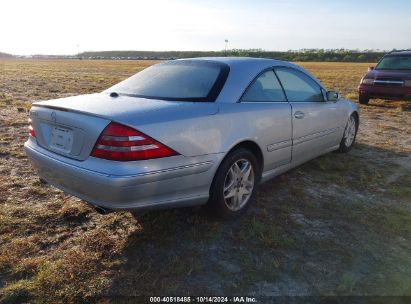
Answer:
(297, 239)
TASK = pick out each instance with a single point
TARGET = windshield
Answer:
(180, 80)
(394, 63)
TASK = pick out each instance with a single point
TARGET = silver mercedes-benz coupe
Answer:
(188, 132)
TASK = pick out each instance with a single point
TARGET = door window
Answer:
(265, 88)
(299, 86)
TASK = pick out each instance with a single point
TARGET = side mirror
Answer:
(370, 68)
(333, 96)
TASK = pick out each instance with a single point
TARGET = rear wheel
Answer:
(350, 133)
(363, 99)
(235, 183)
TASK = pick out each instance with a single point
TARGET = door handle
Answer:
(299, 114)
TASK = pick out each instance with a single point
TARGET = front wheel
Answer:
(350, 134)
(234, 185)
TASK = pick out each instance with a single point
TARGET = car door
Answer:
(315, 121)
(268, 109)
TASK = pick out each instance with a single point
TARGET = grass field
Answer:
(338, 225)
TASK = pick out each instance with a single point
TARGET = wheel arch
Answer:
(251, 146)
(254, 149)
(356, 116)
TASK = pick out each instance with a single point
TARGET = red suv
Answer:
(390, 79)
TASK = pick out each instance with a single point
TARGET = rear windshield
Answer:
(180, 80)
(394, 63)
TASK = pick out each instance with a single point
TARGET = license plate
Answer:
(61, 139)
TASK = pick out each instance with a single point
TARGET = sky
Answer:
(73, 26)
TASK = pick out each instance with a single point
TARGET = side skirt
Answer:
(281, 169)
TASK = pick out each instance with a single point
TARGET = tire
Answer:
(350, 133)
(241, 170)
(363, 100)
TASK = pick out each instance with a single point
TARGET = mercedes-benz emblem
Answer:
(53, 116)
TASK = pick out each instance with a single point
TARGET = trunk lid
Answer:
(66, 133)
(129, 110)
(71, 126)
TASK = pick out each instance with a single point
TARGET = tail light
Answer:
(32, 133)
(122, 143)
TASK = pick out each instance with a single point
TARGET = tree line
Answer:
(330, 55)
(324, 55)
(5, 55)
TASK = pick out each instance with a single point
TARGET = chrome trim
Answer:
(122, 138)
(206, 163)
(377, 81)
(127, 149)
(279, 145)
(312, 136)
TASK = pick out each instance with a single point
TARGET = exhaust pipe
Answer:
(101, 210)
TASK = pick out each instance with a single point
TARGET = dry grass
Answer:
(337, 225)
(22, 81)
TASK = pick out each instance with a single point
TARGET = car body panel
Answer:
(85, 130)
(320, 127)
(375, 74)
(202, 133)
(130, 109)
(373, 91)
(164, 182)
(266, 124)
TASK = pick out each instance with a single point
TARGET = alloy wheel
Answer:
(350, 130)
(238, 184)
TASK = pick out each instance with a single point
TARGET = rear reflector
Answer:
(122, 143)
(32, 133)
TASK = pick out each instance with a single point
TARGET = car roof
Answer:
(243, 70)
(399, 53)
(244, 61)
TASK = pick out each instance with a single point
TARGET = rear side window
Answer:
(264, 88)
(180, 80)
(299, 86)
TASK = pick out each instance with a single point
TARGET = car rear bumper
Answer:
(165, 187)
(371, 91)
